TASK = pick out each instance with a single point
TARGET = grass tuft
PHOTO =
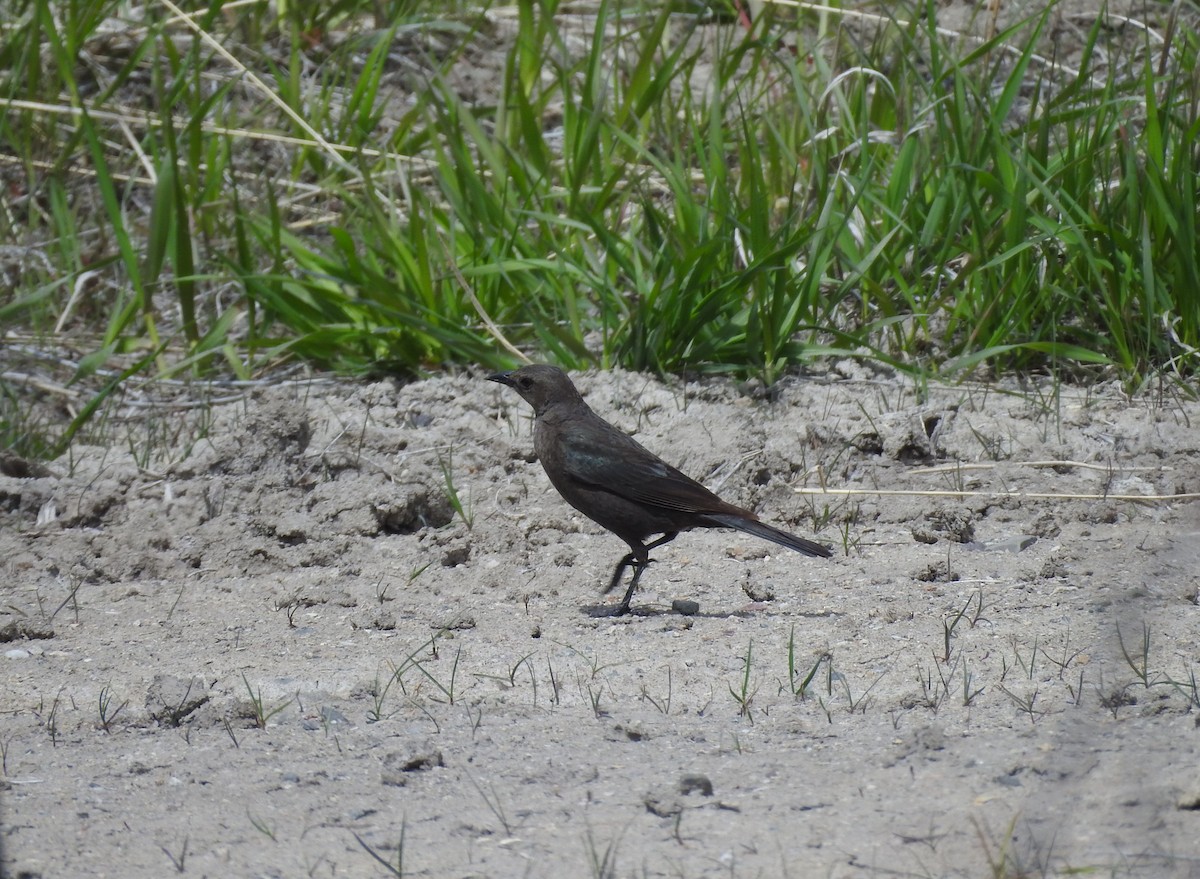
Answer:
(636, 185)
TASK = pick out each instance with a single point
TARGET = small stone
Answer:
(1052, 569)
(954, 523)
(457, 554)
(399, 765)
(384, 622)
(922, 534)
(170, 699)
(19, 468)
(663, 802)
(1046, 526)
(27, 627)
(632, 730)
(691, 784)
(456, 623)
(16, 654)
(1189, 800)
(685, 606)
(924, 742)
(333, 717)
(1014, 544)
(758, 593)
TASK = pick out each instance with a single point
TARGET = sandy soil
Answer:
(286, 654)
(446, 693)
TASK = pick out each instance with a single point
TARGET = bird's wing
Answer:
(615, 462)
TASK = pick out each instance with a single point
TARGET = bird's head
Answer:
(542, 386)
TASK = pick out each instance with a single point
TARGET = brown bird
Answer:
(617, 483)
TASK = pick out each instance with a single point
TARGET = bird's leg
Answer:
(630, 559)
(638, 567)
(639, 559)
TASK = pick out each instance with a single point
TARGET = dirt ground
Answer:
(287, 651)
(282, 651)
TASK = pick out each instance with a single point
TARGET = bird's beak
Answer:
(504, 378)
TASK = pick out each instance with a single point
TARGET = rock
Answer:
(398, 766)
(758, 593)
(26, 628)
(1189, 798)
(458, 553)
(1014, 544)
(454, 622)
(663, 802)
(21, 468)
(170, 699)
(953, 523)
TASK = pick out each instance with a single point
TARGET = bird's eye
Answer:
(524, 381)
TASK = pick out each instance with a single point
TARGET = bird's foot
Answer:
(637, 574)
(638, 565)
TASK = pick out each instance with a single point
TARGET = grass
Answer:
(642, 185)
(260, 711)
(108, 712)
(390, 869)
(413, 662)
(951, 621)
(178, 861)
(744, 694)
(801, 688)
(464, 510)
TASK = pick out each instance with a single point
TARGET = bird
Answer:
(618, 483)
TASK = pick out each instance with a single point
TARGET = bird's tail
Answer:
(769, 532)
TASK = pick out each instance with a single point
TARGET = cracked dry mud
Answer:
(287, 647)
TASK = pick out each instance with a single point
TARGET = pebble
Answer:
(1015, 543)
(416, 757)
(685, 606)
